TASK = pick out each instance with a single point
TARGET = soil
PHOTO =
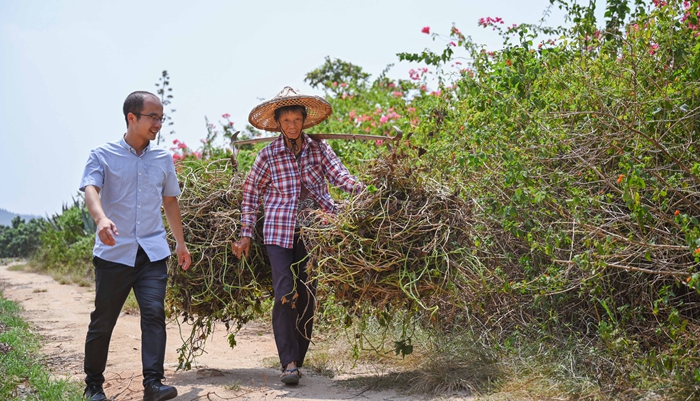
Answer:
(60, 313)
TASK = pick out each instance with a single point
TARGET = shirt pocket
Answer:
(156, 180)
(313, 177)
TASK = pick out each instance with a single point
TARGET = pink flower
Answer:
(453, 44)
(653, 48)
(397, 94)
(411, 109)
(426, 30)
(379, 142)
(384, 119)
(175, 142)
(177, 157)
(226, 115)
(181, 145)
(335, 84)
(489, 21)
(343, 84)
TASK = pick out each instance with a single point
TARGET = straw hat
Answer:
(263, 116)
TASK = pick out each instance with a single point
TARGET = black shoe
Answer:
(156, 391)
(94, 392)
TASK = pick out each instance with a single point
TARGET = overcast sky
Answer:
(67, 66)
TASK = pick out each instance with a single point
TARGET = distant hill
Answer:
(6, 217)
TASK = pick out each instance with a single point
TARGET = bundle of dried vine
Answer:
(218, 287)
(403, 242)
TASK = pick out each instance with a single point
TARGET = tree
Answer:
(164, 91)
(336, 71)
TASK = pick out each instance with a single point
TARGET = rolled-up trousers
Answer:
(295, 302)
(113, 281)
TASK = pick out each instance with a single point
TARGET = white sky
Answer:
(67, 66)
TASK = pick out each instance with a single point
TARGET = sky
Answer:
(66, 67)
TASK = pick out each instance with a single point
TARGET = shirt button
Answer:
(138, 222)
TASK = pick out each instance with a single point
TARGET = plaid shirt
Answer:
(276, 177)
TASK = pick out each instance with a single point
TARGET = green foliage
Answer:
(336, 71)
(67, 241)
(581, 154)
(20, 240)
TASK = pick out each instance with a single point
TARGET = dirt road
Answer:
(60, 313)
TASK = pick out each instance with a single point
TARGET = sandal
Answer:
(291, 376)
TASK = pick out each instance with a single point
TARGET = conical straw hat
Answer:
(263, 116)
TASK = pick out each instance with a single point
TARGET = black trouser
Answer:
(113, 281)
(295, 302)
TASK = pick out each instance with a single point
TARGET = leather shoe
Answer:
(156, 391)
(94, 392)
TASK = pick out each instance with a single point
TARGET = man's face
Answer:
(291, 123)
(149, 123)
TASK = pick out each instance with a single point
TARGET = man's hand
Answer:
(183, 256)
(106, 231)
(241, 247)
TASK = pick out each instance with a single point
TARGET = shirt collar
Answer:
(128, 147)
(279, 146)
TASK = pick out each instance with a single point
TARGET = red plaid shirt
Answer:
(276, 177)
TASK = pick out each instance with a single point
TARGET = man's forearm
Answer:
(172, 214)
(94, 203)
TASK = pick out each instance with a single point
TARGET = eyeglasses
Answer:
(154, 117)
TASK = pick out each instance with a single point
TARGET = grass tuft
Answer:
(21, 373)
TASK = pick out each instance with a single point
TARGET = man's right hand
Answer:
(241, 247)
(106, 230)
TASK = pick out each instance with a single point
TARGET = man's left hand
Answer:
(183, 256)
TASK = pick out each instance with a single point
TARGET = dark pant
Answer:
(113, 281)
(295, 302)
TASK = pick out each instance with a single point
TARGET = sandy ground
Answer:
(60, 313)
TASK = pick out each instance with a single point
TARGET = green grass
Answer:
(18, 267)
(22, 376)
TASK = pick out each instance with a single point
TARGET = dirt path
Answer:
(61, 314)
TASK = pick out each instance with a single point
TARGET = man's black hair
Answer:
(134, 104)
(286, 109)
